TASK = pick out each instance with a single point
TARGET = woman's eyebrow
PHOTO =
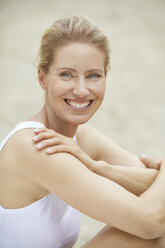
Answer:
(96, 69)
(71, 69)
(65, 68)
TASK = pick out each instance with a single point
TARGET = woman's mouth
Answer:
(78, 104)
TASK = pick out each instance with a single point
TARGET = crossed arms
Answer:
(96, 196)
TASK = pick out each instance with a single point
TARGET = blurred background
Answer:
(133, 112)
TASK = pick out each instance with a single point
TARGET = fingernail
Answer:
(49, 150)
(143, 156)
(36, 130)
(39, 146)
(35, 138)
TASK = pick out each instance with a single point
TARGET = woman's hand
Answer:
(54, 142)
(150, 162)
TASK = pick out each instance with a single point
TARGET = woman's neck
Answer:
(50, 121)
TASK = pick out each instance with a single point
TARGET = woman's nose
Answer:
(81, 90)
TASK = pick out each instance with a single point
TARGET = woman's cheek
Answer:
(101, 90)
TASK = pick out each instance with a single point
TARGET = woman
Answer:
(40, 193)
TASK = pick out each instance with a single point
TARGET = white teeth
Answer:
(78, 105)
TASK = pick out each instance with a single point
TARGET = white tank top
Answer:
(46, 223)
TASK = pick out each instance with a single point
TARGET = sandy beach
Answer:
(133, 112)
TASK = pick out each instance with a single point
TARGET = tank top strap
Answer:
(21, 125)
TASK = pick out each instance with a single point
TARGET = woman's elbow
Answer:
(153, 224)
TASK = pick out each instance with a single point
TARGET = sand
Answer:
(133, 110)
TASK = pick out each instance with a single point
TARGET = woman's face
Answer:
(75, 83)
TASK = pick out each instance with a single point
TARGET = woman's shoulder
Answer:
(84, 133)
(18, 144)
(21, 133)
(86, 130)
(30, 162)
(88, 138)
(21, 138)
(88, 134)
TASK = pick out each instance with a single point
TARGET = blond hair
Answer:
(67, 30)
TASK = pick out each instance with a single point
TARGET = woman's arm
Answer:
(100, 147)
(134, 179)
(95, 196)
(112, 237)
(155, 195)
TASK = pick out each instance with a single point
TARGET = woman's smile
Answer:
(78, 104)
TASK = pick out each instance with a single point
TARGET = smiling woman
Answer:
(42, 193)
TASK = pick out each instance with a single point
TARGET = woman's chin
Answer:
(75, 121)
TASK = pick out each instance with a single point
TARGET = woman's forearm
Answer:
(154, 197)
(135, 180)
(138, 180)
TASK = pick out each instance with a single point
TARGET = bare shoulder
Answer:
(86, 133)
(50, 171)
(20, 143)
(17, 142)
(86, 137)
(19, 150)
(93, 141)
(22, 147)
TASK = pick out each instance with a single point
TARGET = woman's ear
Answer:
(41, 78)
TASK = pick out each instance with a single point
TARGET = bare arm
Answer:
(126, 170)
(134, 179)
(95, 196)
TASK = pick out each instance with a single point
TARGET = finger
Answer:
(43, 136)
(150, 162)
(59, 148)
(39, 130)
(44, 129)
(162, 163)
(48, 143)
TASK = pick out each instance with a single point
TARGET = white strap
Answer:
(22, 125)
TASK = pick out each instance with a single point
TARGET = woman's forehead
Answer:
(79, 55)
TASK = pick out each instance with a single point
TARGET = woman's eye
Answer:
(94, 75)
(66, 74)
